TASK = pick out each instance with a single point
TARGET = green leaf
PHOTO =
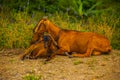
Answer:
(80, 8)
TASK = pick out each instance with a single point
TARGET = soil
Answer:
(103, 67)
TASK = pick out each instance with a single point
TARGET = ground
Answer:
(103, 67)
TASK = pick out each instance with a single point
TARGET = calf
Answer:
(42, 48)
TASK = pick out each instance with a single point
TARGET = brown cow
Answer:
(40, 48)
(84, 44)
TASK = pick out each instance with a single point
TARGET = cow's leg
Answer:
(87, 54)
(65, 50)
(53, 54)
(59, 51)
(62, 50)
(67, 54)
(27, 51)
(96, 53)
(39, 53)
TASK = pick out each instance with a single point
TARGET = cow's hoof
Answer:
(70, 56)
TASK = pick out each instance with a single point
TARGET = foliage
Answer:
(77, 7)
(86, 7)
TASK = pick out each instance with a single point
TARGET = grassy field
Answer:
(16, 28)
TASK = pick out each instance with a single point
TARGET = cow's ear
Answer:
(37, 26)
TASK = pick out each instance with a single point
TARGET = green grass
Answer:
(31, 77)
(12, 61)
(16, 28)
(78, 62)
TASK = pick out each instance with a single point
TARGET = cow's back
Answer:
(77, 41)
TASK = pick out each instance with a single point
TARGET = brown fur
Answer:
(38, 50)
(84, 44)
(34, 51)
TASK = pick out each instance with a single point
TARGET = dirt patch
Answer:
(103, 67)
